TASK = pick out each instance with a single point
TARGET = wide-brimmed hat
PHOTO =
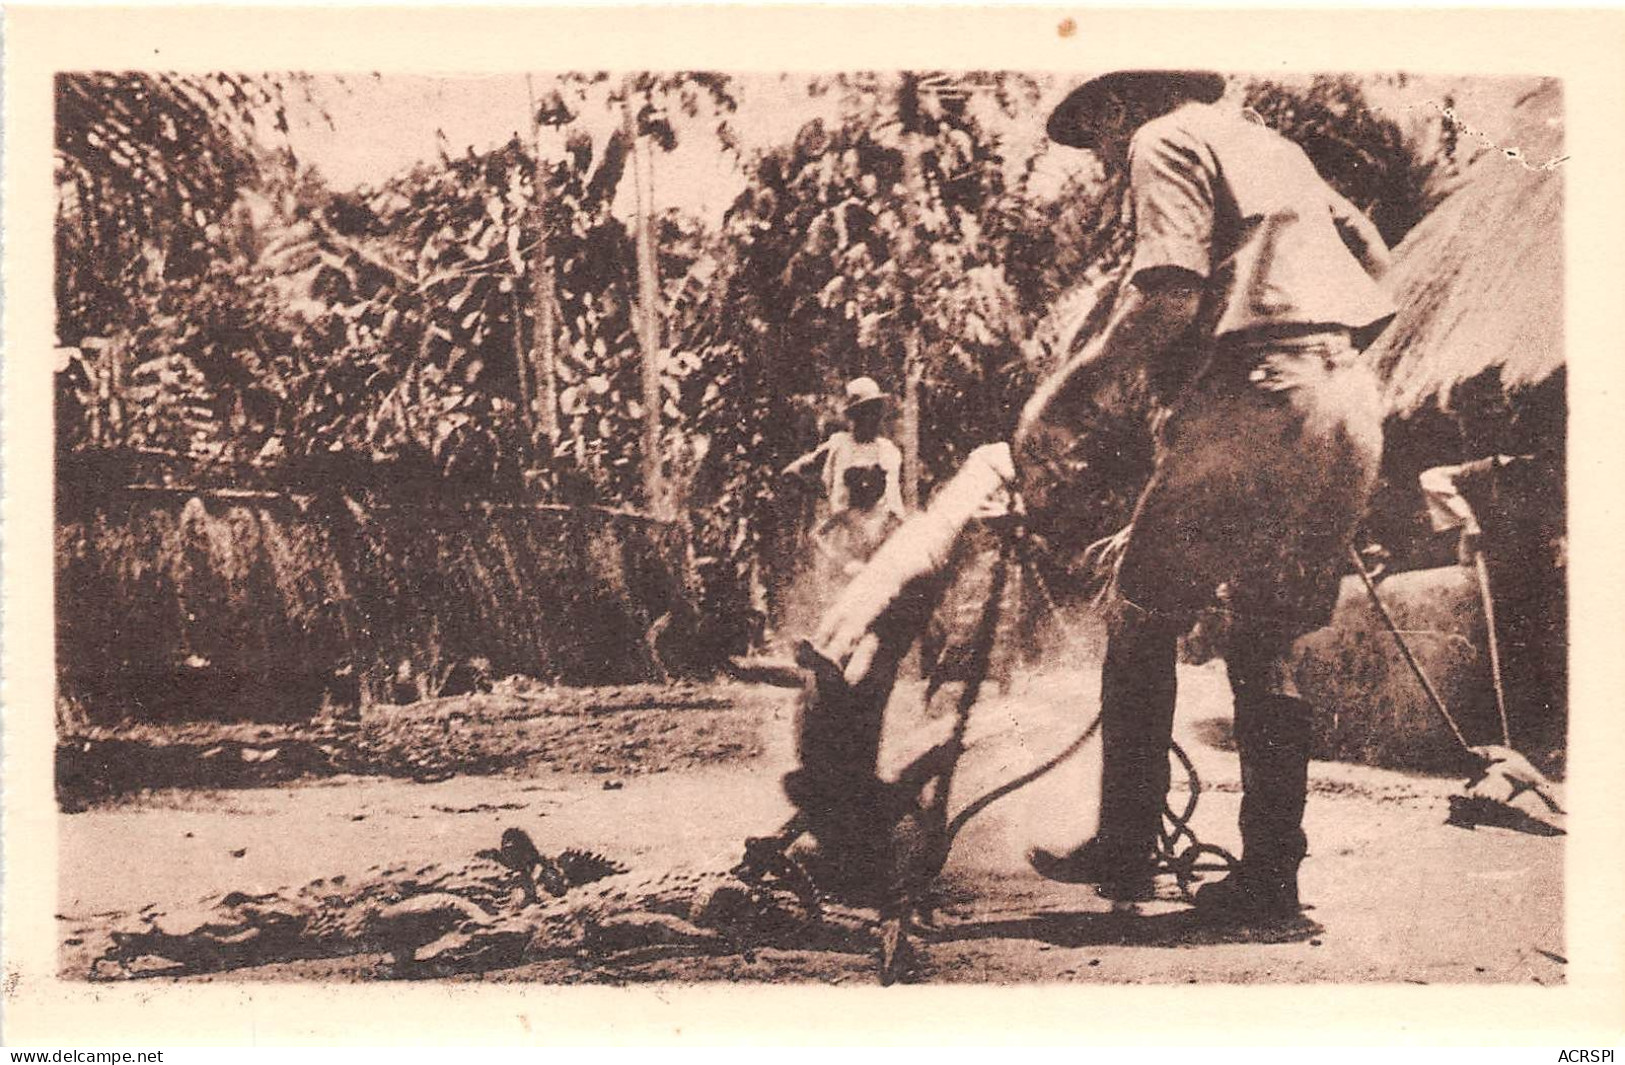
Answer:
(861, 391)
(1073, 122)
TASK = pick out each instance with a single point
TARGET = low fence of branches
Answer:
(222, 604)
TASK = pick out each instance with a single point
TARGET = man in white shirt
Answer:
(846, 451)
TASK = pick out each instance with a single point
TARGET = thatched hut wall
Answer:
(1474, 361)
(1474, 365)
(1479, 281)
(173, 604)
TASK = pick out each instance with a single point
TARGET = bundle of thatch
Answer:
(229, 605)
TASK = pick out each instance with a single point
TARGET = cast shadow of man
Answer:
(1128, 928)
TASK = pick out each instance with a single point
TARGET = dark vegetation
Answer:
(414, 373)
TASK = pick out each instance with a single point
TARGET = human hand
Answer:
(1469, 546)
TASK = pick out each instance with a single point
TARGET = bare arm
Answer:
(1150, 317)
(1171, 196)
(811, 459)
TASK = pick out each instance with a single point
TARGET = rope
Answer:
(1178, 849)
(987, 632)
(1017, 783)
(1196, 857)
(1012, 545)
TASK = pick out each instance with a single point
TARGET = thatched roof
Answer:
(1479, 281)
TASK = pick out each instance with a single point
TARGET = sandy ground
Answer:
(1396, 895)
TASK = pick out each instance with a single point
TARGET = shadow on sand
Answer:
(1180, 928)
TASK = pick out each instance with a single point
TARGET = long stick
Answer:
(647, 309)
(1404, 649)
(544, 337)
(1495, 643)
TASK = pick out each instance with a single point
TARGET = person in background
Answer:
(1448, 508)
(841, 461)
(860, 474)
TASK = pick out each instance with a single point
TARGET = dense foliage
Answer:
(473, 324)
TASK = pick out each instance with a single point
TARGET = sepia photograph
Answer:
(861, 526)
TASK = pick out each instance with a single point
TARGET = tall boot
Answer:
(1137, 695)
(1273, 734)
(1273, 801)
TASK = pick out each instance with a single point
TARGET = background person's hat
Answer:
(1072, 123)
(862, 390)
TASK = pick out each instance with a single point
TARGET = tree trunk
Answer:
(96, 367)
(544, 346)
(647, 318)
(115, 353)
(913, 371)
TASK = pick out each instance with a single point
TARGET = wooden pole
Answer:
(908, 103)
(544, 339)
(1405, 649)
(1482, 571)
(648, 314)
(521, 358)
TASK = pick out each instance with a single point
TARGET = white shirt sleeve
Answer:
(1447, 508)
(840, 457)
